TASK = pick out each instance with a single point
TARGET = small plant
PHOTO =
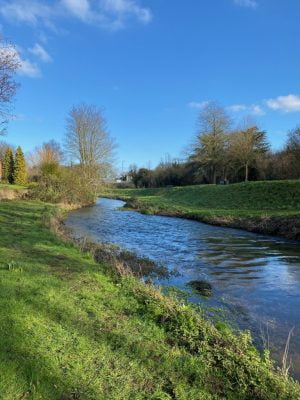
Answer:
(14, 266)
(286, 363)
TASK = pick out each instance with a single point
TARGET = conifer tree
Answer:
(19, 174)
(8, 167)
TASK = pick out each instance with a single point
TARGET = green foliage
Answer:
(19, 173)
(8, 167)
(268, 198)
(63, 185)
(70, 331)
(50, 168)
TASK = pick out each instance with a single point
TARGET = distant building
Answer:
(124, 178)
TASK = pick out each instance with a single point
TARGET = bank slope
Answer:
(71, 329)
(271, 207)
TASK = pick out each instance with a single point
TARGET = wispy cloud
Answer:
(287, 104)
(28, 11)
(246, 3)
(253, 109)
(79, 8)
(127, 7)
(29, 68)
(198, 105)
(26, 66)
(40, 52)
(109, 14)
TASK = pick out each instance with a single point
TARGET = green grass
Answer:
(12, 187)
(70, 330)
(253, 199)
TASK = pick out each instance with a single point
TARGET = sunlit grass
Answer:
(269, 198)
(12, 187)
(69, 330)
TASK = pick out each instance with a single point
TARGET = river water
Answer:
(255, 279)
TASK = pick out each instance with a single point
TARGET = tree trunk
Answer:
(214, 175)
(246, 172)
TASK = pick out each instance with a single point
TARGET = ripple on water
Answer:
(255, 278)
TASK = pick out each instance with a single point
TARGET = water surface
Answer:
(255, 278)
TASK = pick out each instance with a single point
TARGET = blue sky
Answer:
(151, 65)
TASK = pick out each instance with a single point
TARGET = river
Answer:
(255, 279)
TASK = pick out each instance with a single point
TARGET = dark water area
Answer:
(255, 279)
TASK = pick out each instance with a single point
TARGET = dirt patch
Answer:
(12, 194)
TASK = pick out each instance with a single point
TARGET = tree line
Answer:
(220, 152)
(223, 154)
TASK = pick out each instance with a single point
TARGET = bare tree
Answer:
(211, 140)
(3, 147)
(291, 154)
(9, 63)
(293, 142)
(45, 159)
(87, 140)
(48, 153)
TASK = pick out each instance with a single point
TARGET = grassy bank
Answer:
(271, 207)
(12, 187)
(11, 192)
(70, 329)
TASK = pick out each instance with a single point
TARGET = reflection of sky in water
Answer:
(256, 278)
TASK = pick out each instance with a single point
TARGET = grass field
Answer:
(255, 198)
(70, 330)
(274, 203)
(12, 187)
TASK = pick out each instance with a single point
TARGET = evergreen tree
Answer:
(19, 174)
(8, 167)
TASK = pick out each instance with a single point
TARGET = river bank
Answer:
(13, 192)
(254, 279)
(70, 329)
(271, 208)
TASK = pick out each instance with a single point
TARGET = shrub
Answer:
(64, 185)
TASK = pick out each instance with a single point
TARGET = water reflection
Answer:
(255, 278)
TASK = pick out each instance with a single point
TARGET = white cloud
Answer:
(25, 11)
(198, 105)
(237, 108)
(129, 7)
(253, 109)
(257, 110)
(289, 103)
(246, 3)
(110, 14)
(79, 8)
(40, 52)
(28, 68)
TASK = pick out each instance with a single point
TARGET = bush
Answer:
(64, 185)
